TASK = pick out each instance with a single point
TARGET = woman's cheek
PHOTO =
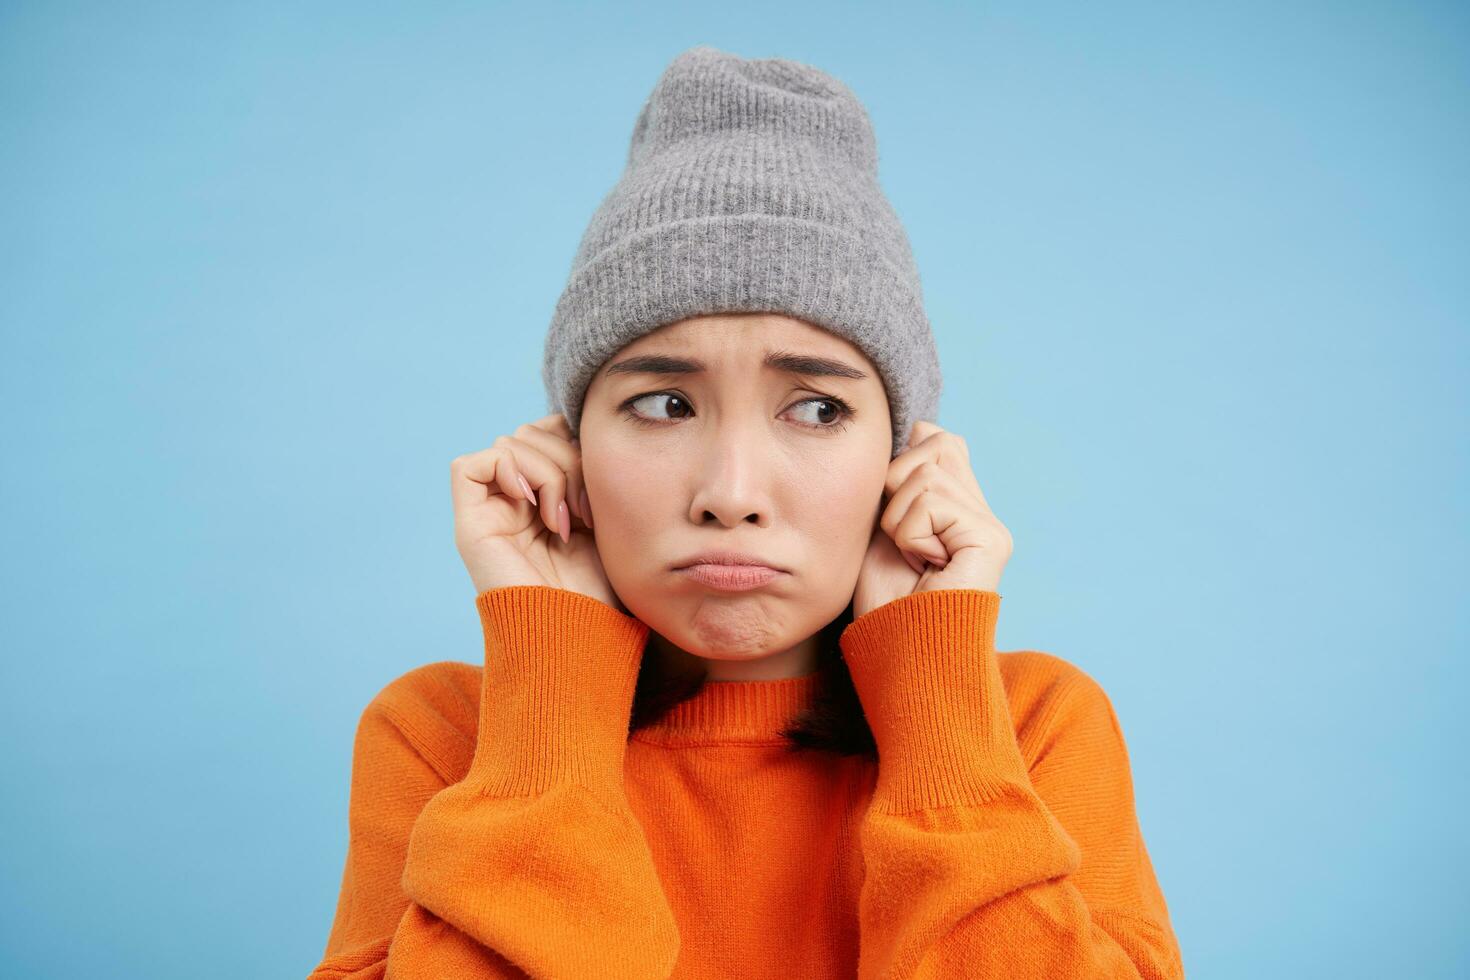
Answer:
(618, 483)
(831, 525)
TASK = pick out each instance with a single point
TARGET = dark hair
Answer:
(833, 723)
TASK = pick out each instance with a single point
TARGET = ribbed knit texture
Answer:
(562, 716)
(750, 185)
(501, 824)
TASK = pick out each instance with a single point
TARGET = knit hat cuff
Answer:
(739, 263)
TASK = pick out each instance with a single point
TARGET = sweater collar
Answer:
(734, 711)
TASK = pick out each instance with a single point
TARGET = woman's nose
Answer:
(733, 479)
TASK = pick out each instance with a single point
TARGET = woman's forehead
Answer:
(726, 342)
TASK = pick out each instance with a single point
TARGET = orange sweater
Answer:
(503, 824)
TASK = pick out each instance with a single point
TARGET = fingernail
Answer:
(586, 507)
(915, 563)
(563, 521)
(526, 487)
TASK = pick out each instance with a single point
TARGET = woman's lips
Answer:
(731, 578)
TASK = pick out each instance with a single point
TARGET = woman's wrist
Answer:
(557, 690)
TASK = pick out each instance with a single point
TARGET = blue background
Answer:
(1198, 277)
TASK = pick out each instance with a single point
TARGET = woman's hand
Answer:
(935, 512)
(514, 505)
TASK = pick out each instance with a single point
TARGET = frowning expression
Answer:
(755, 434)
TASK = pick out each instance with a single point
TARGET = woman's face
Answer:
(691, 441)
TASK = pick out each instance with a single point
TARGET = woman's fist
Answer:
(936, 530)
(521, 514)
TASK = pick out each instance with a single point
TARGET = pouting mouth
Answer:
(726, 558)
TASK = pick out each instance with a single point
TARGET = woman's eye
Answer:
(828, 412)
(674, 404)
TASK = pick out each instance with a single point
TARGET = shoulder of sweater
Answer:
(1047, 693)
(435, 708)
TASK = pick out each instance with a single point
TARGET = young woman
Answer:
(740, 712)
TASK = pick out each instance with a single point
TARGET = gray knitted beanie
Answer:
(751, 185)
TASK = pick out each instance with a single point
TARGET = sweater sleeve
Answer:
(976, 862)
(533, 862)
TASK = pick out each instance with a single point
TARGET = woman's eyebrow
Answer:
(802, 364)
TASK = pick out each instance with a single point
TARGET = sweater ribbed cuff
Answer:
(556, 693)
(925, 670)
